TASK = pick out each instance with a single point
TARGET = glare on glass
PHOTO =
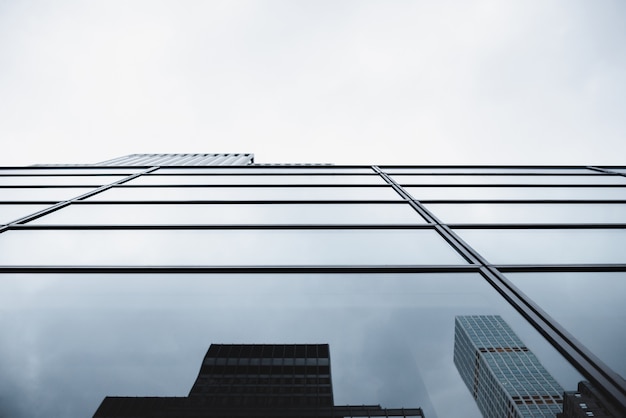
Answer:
(57, 180)
(487, 170)
(226, 247)
(10, 213)
(247, 193)
(42, 194)
(590, 306)
(129, 214)
(266, 179)
(593, 179)
(548, 246)
(84, 171)
(264, 170)
(529, 213)
(517, 193)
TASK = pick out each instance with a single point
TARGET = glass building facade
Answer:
(114, 279)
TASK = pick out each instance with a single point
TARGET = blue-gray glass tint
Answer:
(517, 193)
(275, 213)
(589, 305)
(264, 170)
(37, 194)
(529, 213)
(77, 338)
(548, 246)
(58, 180)
(226, 247)
(248, 193)
(10, 213)
(265, 179)
(487, 170)
(592, 179)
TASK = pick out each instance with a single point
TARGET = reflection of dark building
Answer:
(587, 401)
(505, 378)
(253, 380)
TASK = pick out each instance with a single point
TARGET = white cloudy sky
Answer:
(483, 81)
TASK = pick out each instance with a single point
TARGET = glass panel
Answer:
(265, 179)
(548, 246)
(10, 213)
(522, 193)
(234, 214)
(58, 180)
(529, 213)
(249, 193)
(593, 179)
(590, 306)
(225, 247)
(146, 335)
(486, 170)
(84, 171)
(255, 170)
(42, 194)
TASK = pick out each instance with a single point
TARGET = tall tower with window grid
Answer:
(503, 375)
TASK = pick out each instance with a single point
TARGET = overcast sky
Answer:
(320, 81)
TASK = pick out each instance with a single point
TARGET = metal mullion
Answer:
(65, 203)
(575, 352)
(537, 167)
(497, 174)
(65, 175)
(254, 185)
(29, 202)
(49, 186)
(262, 174)
(233, 202)
(429, 217)
(519, 225)
(215, 226)
(554, 268)
(565, 343)
(237, 269)
(513, 185)
(607, 171)
(521, 201)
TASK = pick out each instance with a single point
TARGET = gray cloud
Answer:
(348, 82)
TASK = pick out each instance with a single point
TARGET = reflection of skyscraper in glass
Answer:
(504, 377)
(254, 380)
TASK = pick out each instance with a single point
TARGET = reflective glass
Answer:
(521, 193)
(233, 214)
(265, 179)
(618, 170)
(57, 180)
(78, 338)
(548, 246)
(10, 213)
(85, 171)
(589, 305)
(225, 247)
(42, 194)
(248, 193)
(273, 170)
(529, 213)
(487, 170)
(593, 179)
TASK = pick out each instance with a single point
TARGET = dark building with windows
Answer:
(116, 276)
(587, 401)
(254, 380)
